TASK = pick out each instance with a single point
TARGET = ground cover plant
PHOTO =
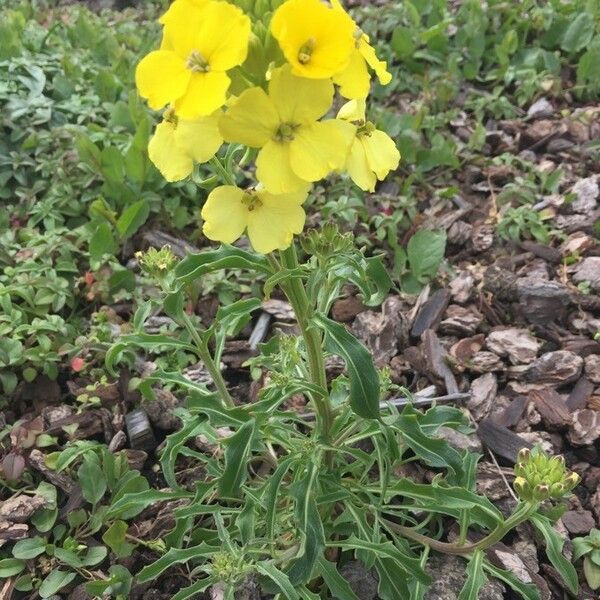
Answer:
(382, 383)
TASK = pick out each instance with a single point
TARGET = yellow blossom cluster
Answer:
(206, 76)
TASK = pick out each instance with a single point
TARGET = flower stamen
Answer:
(306, 51)
(251, 201)
(197, 63)
(285, 132)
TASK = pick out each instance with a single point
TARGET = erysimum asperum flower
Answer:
(270, 220)
(296, 148)
(373, 153)
(202, 40)
(354, 80)
(317, 40)
(177, 143)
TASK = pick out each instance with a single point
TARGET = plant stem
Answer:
(298, 298)
(225, 176)
(209, 363)
(522, 513)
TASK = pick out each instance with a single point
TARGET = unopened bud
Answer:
(541, 492)
(524, 454)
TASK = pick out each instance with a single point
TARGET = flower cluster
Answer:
(540, 477)
(221, 78)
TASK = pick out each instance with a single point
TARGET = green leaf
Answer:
(425, 252)
(308, 521)
(579, 33)
(386, 550)
(279, 578)
(226, 257)
(94, 556)
(554, 544)
(55, 582)
(146, 341)
(29, 548)
(10, 567)
(392, 584)
(364, 380)
(529, 591)
(272, 494)
(114, 538)
(237, 453)
(592, 573)
(476, 578)
(175, 442)
(435, 452)
(192, 591)
(337, 585)
(141, 500)
(175, 556)
(102, 242)
(132, 218)
(92, 481)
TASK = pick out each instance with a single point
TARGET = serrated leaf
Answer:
(175, 556)
(225, 257)
(364, 380)
(237, 453)
(279, 578)
(337, 585)
(529, 591)
(386, 550)
(476, 578)
(554, 545)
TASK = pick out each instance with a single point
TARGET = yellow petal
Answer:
(161, 77)
(200, 139)
(205, 93)
(225, 217)
(182, 22)
(168, 157)
(353, 110)
(251, 119)
(354, 80)
(299, 100)
(379, 66)
(316, 40)
(319, 148)
(274, 171)
(381, 152)
(223, 35)
(272, 225)
(358, 167)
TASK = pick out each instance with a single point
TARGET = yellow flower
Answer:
(354, 80)
(270, 220)
(316, 40)
(177, 143)
(373, 153)
(295, 147)
(202, 40)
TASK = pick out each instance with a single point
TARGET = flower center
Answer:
(285, 132)
(251, 201)
(170, 116)
(306, 50)
(197, 63)
(365, 129)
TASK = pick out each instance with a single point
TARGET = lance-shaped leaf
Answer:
(528, 591)
(225, 257)
(364, 380)
(476, 578)
(237, 453)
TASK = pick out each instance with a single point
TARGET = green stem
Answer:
(225, 176)
(298, 298)
(522, 513)
(209, 363)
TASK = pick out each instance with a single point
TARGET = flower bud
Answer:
(541, 492)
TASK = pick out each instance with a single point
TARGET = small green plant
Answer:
(588, 548)
(521, 223)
